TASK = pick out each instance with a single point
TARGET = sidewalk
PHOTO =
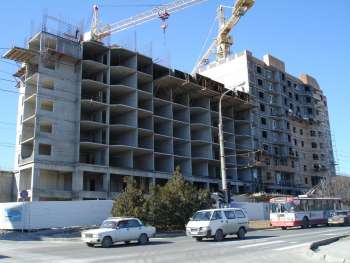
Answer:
(336, 252)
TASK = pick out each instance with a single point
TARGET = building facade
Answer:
(92, 115)
(290, 121)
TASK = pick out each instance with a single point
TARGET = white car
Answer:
(118, 229)
(218, 223)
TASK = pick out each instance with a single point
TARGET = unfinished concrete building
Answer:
(290, 122)
(91, 115)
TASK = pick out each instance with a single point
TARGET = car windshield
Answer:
(108, 224)
(202, 216)
(283, 207)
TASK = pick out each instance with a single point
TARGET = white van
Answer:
(218, 223)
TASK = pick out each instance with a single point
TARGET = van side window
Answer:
(239, 214)
(216, 215)
(230, 214)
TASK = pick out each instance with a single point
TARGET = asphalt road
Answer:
(259, 246)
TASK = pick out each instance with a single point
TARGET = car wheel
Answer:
(306, 222)
(126, 242)
(219, 235)
(143, 239)
(241, 233)
(90, 244)
(107, 242)
(199, 239)
(284, 228)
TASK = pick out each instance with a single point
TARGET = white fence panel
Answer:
(41, 215)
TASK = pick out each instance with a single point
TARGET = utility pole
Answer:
(221, 144)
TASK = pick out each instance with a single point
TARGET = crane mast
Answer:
(224, 41)
(163, 12)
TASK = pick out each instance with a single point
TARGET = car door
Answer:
(241, 218)
(217, 222)
(231, 221)
(122, 233)
(135, 229)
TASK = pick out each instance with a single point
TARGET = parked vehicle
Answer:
(339, 218)
(218, 223)
(302, 211)
(118, 229)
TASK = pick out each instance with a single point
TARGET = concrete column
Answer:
(35, 183)
(106, 183)
(77, 184)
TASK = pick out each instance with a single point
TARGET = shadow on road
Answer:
(135, 244)
(233, 238)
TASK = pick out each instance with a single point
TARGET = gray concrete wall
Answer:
(7, 185)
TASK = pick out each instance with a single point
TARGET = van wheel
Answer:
(199, 239)
(241, 233)
(284, 228)
(306, 222)
(107, 242)
(219, 235)
(90, 244)
(143, 239)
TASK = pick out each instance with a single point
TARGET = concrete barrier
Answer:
(56, 214)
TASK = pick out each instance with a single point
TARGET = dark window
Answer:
(305, 168)
(288, 125)
(134, 223)
(284, 89)
(291, 106)
(265, 147)
(312, 133)
(308, 99)
(289, 138)
(301, 131)
(230, 214)
(239, 214)
(294, 129)
(289, 83)
(302, 143)
(314, 145)
(216, 215)
(283, 76)
(295, 142)
(263, 121)
(260, 82)
(261, 95)
(306, 181)
(258, 69)
(262, 107)
(285, 101)
(123, 224)
(290, 95)
(264, 134)
(296, 97)
(315, 156)
(307, 88)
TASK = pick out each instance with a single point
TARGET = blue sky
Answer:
(311, 36)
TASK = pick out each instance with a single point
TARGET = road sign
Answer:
(24, 194)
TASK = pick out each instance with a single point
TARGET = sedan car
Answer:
(339, 218)
(118, 229)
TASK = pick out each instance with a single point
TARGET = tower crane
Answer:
(224, 41)
(98, 31)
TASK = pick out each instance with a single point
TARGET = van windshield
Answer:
(202, 216)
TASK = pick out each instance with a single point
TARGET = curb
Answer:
(324, 257)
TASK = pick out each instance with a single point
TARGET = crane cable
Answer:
(206, 41)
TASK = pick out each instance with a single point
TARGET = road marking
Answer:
(290, 247)
(262, 244)
(328, 234)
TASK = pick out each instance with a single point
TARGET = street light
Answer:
(221, 143)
